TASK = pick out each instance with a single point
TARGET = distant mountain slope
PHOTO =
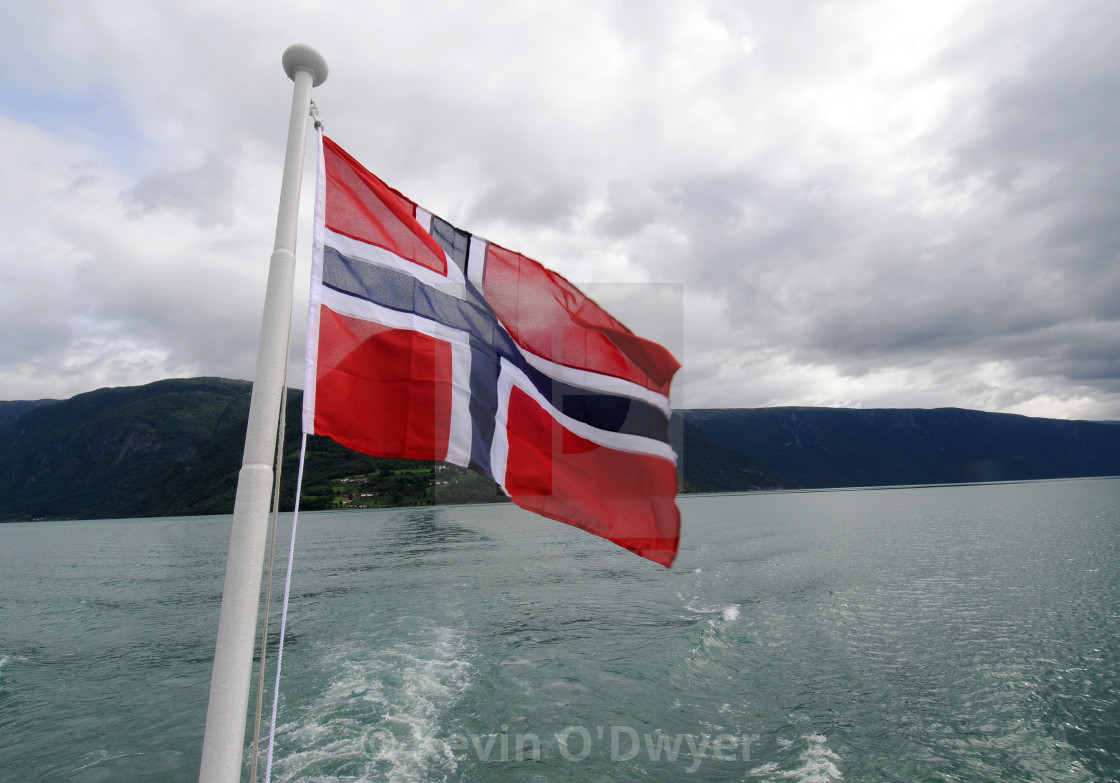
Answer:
(707, 466)
(174, 447)
(167, 448)
(830, 447)
(10, 411)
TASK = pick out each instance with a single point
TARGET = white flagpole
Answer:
(223, 744)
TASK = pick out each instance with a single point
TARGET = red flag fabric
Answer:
(427, 342)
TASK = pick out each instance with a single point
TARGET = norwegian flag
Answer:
(427, 342)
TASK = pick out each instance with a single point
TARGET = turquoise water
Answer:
(966, 633)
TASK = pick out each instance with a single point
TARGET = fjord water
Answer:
(966, 633)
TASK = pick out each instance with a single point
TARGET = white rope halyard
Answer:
(284, 614)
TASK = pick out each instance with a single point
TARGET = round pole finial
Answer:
(301, 57)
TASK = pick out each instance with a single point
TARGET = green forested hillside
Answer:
(168, 448)
(174, 448)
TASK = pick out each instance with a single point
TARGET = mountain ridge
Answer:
(174, 447)
(852, 447)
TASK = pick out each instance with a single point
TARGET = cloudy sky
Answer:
(857, 203)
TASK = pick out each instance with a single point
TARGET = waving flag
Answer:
(427, 342)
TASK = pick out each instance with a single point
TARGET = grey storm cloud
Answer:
(870, 203)
(202, 192)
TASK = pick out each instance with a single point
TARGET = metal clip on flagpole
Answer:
(223, 744)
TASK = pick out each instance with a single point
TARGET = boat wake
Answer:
(380, 716)
(815, 763)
